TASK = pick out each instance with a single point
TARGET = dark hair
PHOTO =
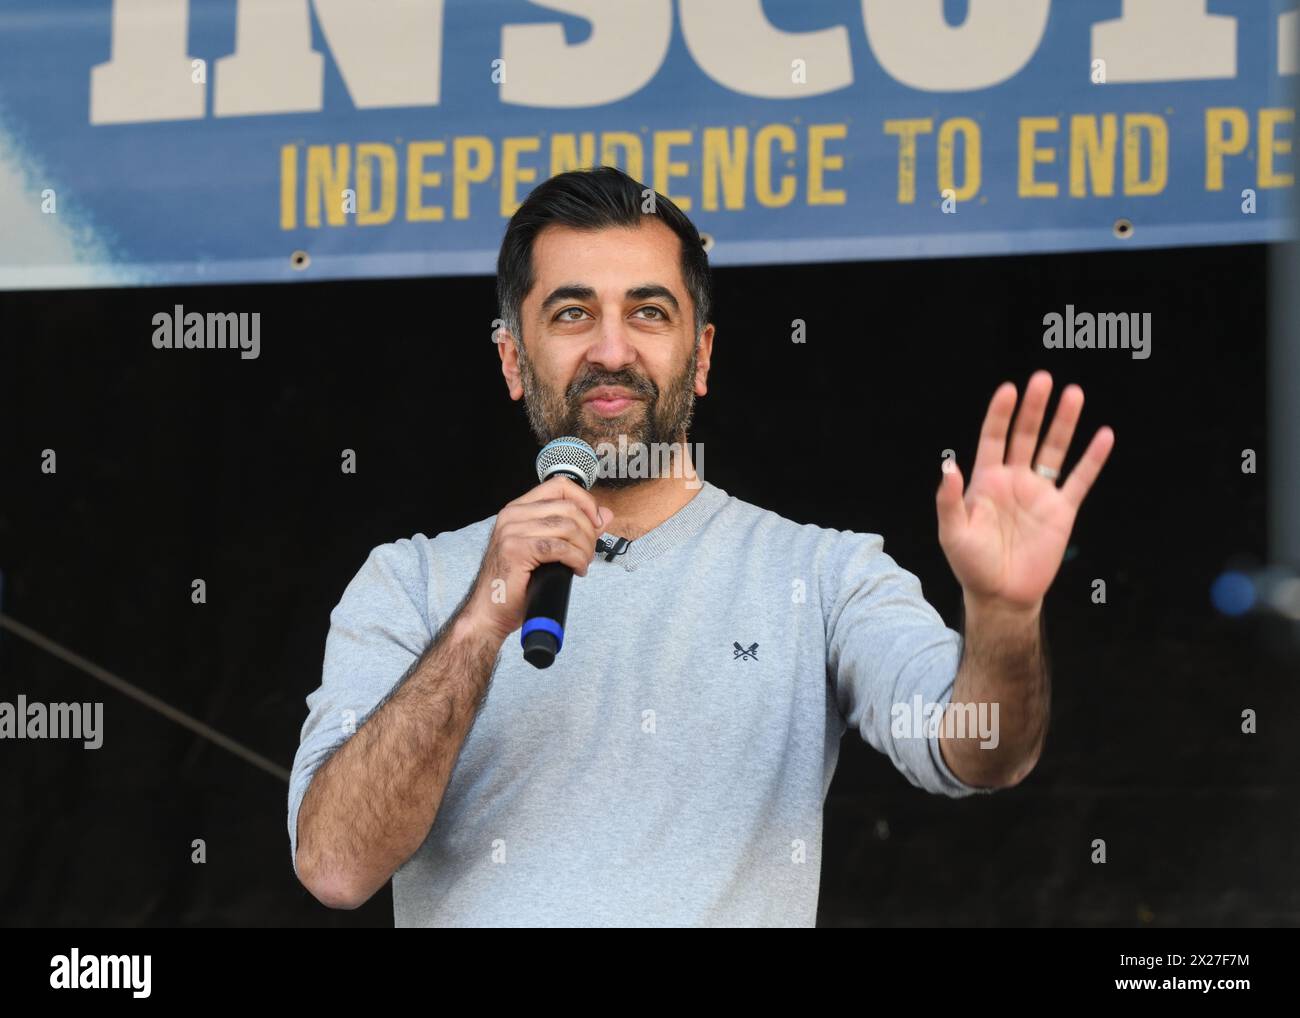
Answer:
(591, 200)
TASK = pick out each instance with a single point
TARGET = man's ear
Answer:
(509, 363)
(702, 360)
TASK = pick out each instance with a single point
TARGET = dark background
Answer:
(174, 465)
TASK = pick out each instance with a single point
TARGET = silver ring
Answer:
(1047, 472)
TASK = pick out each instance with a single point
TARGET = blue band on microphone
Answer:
(550, 625)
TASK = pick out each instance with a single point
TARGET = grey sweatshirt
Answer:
(671, 767)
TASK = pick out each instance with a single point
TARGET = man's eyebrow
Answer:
(570, 291)
(649, 291)
(577, 291)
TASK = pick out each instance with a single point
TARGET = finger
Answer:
(1024, 437)
(558, 548)
(568, 553)
(1061, 433)
(563, 487)
(1085, 472)
(993, 433)
(556, 514)
(534, 548)
(950, 506)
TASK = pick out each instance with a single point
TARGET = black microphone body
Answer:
(546, 602)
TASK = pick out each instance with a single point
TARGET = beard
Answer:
(656, 419)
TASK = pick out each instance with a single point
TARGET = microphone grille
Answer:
(569, 455)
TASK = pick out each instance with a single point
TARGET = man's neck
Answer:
(641, 507)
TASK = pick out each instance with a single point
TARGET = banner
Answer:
(183, 141)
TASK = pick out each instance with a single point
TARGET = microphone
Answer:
(611, 548)
(546, 602)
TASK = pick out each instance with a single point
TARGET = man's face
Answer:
(608, 316)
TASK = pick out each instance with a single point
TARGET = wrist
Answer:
(997, 609)
(471, 630)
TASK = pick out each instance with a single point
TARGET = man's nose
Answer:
(612, 349)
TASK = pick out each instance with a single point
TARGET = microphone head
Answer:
(569, 456)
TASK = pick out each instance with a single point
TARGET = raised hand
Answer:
(1005, 537)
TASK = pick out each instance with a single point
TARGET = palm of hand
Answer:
(1006, 536)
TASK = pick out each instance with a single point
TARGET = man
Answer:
(671, 767)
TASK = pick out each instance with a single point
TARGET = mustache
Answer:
(624, 380)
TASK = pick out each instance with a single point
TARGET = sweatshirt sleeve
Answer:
(887, 647)
(378, 630)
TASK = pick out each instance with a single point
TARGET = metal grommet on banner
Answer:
(300, 260)
(1123, 229)
(706, 239)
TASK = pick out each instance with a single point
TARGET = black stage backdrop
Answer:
(176, 465)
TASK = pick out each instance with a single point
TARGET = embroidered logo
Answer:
(743, 654)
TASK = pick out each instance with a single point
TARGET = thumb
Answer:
(948, 501)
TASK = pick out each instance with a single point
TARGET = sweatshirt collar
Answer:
(681, 525)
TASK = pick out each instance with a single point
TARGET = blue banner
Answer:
(182, 141)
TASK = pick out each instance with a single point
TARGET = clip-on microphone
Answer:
(617, 547)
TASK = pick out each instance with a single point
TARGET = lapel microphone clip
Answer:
(611, 549)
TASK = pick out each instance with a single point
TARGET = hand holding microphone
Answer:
(538, 542)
